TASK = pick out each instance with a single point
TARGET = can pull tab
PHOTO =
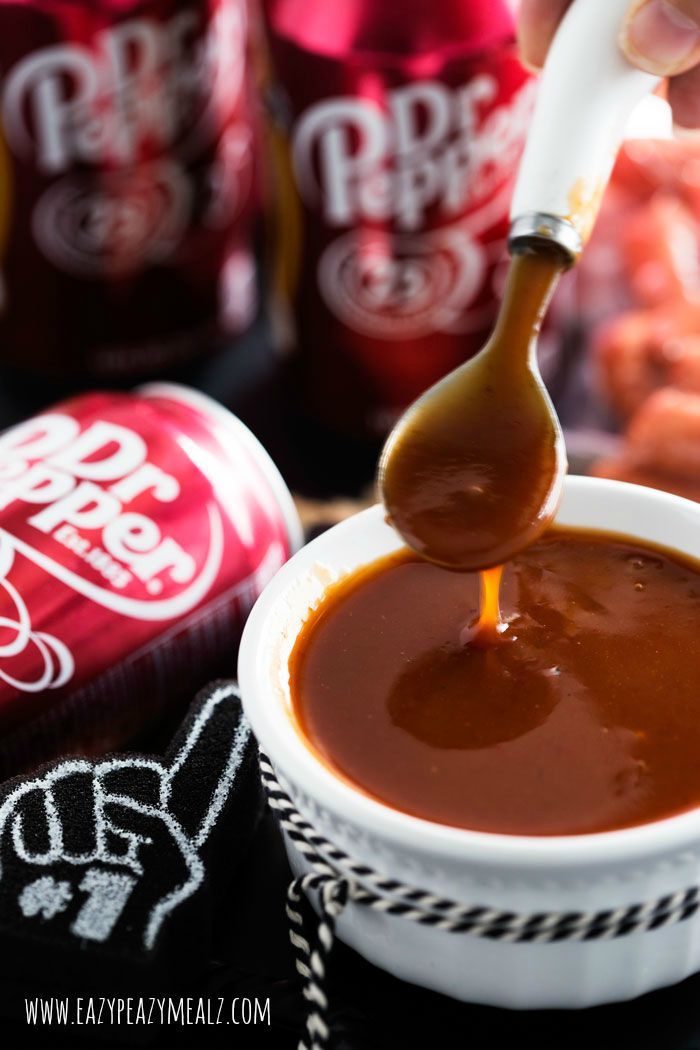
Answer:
(587, 92)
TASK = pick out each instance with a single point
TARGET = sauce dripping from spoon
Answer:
(489, 626)
(472, 473)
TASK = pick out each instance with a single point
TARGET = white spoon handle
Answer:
(586, 94)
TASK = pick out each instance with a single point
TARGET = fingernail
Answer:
(659, 38)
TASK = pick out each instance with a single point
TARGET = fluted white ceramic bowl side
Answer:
(519, 873)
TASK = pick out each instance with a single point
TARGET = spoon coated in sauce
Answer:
(472, 473)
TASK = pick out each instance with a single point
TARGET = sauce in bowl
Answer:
(584, 718)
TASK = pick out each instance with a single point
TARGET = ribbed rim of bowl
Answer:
(293, 758)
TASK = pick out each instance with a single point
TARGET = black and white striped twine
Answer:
(335, 878)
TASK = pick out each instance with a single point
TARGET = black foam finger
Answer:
(32, 827)
(165, 868)
(71, 800)
(209, 761)
(133, 776)
(119, 874)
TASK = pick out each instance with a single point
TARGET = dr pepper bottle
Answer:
(396, 128)
(125, 184)
(136, 531)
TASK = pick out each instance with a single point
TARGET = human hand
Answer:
(659, 36)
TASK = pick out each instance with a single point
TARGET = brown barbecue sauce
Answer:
(585, 717)
(474, 472)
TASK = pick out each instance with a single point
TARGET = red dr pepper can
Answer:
(396, 130)
(136, 531)
(125, 184)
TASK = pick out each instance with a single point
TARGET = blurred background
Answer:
(301, 208)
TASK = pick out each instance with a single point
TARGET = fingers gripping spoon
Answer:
(472, 472)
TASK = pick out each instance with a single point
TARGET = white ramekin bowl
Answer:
(524, 874)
